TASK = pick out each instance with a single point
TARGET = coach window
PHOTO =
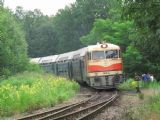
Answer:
(111, 54)
(96, 55)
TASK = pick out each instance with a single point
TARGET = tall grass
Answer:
(129, 85)
(33, 90)
(152, 85)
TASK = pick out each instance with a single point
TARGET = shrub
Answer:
(28, 91)
(127, 85)
(31, 67)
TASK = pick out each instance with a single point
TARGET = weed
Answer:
(28, 91)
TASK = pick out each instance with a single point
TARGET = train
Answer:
(99, 66)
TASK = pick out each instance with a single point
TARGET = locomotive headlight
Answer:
(104, 46)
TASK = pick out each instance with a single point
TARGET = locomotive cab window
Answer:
(96, 55)
(89, 55)
(111, 54)
(120, 54)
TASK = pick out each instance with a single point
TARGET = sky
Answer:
(48, 7)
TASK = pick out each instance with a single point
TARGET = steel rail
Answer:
(54, 111)
(72, 115)
(63, 111)
(91, 114)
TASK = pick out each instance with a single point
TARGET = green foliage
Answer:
(77, 20)
(151, 85)
(116, 32)
(146, 18)
(40, 33)
(130, 85)
(30, 91)
(13, 48)
(62, 32)
(34, 68)
(132, 60)
(127, 85)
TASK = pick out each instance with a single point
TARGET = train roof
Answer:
(107, 46)
(65, 56)
(48, 59)
(80, 53)
(35, 60)
(74, 54)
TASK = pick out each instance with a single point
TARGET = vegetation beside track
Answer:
(28, 91)
(150, 109)
(129, 85)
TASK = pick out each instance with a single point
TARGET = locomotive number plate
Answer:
(106, 73)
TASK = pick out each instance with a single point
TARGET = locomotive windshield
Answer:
(111, 54)
(96, 55)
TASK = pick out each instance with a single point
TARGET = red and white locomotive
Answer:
(100, 66)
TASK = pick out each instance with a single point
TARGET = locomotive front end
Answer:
(104, 66)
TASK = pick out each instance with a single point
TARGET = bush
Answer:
(127, 85)
(30, 91)
(34, 68)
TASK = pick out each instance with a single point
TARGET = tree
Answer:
(118, 32)
(13, 47)
(39, 32)
(132, 61)
(61, 33)
(146, 16)
(77, 20)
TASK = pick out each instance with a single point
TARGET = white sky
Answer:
(48, 7)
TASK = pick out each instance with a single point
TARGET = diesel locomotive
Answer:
(99, 66)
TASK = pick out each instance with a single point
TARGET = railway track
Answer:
(83, 110)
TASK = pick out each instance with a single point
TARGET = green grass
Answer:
(28, 91)
(150, 110)
(153, 104)
(127, 85)
(152, 85)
